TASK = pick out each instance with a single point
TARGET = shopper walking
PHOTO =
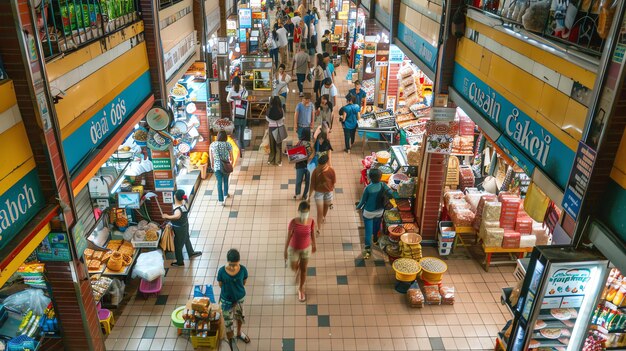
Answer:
(373, 205)
(290, 27)
(330, 67)
(282, 83)
(283, 41)
(275, 119)
(323, 182)
(221, 150)
(349, 116)
(322, 146)
(302, 172)
(318, 75)
(232, 280)
(328, 88)
(301, 65)
(300, 244)
(237, 97)
(326, 47)
(360, 96)
(303, 117)
(180, 225)
(272, 45)
(324, 115)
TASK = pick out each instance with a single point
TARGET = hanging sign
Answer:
(440, 135)
(395, 54)
(443, 113)
(179, 54)
(163, 170)
(382, 54)
(54, 247)
(578, 180)
(80, 238)
(245, 18)
(536, 142)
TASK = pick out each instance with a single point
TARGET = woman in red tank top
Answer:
(300, 245)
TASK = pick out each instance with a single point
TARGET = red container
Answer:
(511, 239)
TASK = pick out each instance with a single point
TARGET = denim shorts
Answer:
(326, 197)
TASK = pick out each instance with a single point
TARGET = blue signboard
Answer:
(245, 18)
(420, 47)
(578, 180)
(105, 122)
(544, 149)
(516, 154)
(18, 205)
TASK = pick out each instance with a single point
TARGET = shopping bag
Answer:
(297, 153)
(312, 164)
(265, 143)
(279, 134)
(536, 203)
(241, 109)
(167, 239)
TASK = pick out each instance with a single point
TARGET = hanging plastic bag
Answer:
(265, 143)
(117, 291)
(31, 299)
(149, 266)
(536, 203)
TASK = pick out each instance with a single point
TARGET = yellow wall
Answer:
(420, 24)
(16, 164)
(550, 107)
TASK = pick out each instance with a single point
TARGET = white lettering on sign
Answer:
(174, 59)
(425, 53)
(487, 102)
(100, 128)
(12, 209)
(521, 132)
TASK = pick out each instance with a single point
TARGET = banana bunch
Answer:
(199, 158)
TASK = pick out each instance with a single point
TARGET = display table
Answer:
(389, 132)
(514, 254)
(259, 102)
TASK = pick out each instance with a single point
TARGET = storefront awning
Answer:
(80, 180)
(28, 240)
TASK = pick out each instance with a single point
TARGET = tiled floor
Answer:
(352, 304)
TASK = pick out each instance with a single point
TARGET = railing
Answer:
(566, 23)
(66, 25)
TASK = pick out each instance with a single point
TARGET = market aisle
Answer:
(351, 303)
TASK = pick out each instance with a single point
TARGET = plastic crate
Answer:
(445, 251)
(445, 244)
(208, 341)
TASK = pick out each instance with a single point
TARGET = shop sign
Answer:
(382, 54)
(80, 238)
(395, 54)
(440, 136)
(54, 247)
(179, 54)
(545, 150)
(106, 121)
(420, 47)
(168, 197)
(163, 171)
(569, 282)
(18, 205)
(578, 180)
(245, 18)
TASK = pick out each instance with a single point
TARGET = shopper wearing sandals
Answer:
(323, 182)
(180, 225)
(300, 245)
(232, 280)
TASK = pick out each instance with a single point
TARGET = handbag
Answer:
(279, 134)
(227, 167)
(309, 77)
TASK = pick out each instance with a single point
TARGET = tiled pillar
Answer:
(75, 308)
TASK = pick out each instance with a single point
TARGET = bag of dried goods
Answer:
(454, 194)
(473, 198)
(462, 218)
(487, 224)
(541, 233)
(431, 295)
(527, 240)
(511, 239)
(491, 211)
(493, 237)
(447, 295)
(414, 296)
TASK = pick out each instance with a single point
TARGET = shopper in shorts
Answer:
(232, 280)
(323, 182)
(300, 245)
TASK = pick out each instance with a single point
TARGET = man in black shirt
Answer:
(289, 26)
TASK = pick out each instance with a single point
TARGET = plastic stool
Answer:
(106, 320)
(147, 288)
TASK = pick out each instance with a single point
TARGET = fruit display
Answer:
(199, 158)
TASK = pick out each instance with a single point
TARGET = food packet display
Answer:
(414, 296)
(447, 295)
(431, 294)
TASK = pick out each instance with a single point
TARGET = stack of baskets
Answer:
(410, 246)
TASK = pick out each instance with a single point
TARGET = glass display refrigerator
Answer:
(557, 299)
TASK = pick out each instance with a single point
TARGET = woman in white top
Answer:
(282, 80)
(236, 95)
(272, 45)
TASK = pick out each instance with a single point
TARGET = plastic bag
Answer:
(31, 299)
(265, 143)
(117, 291)
(536, 203)
(149, 266)
(414, 296)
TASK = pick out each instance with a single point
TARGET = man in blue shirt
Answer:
(360, 96)
(349, 116)
(303, 117)
(330, 67)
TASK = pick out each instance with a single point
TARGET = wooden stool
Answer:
(106, 320)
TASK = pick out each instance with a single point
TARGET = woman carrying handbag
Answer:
(221, 156)
(275, 120)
